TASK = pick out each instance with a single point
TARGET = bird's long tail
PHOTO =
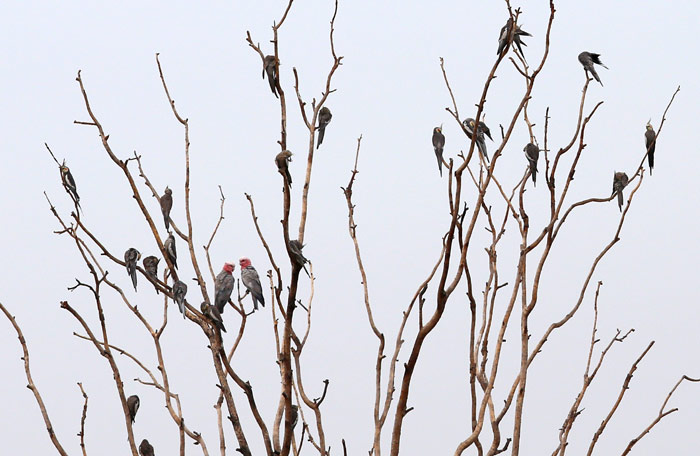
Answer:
(321, 132)
(438, 155)
(620, 199)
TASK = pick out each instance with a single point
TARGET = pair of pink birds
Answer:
(223, 286)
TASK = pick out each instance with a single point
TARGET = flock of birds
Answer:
(479, 132)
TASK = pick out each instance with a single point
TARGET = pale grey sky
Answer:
(390, 90)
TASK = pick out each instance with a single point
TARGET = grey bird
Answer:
(132, 403)
(324, 118)
(282, 160)
(470, 127)
(295, 247)
(179, 292)
(166, 203)
(146, 449)
(503, 37)
(650, 136)
(131, 256)
(438, 145)
(295, 415)
(69, 183)
(270, 68)
(150, 265)
(223, 286)
(620, 181)
(251, 280)
(213, 314)
(171, 250)
(532, 152)
(587, 59)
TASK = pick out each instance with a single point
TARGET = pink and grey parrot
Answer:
(171, 250)
(166, 204)
(251, 280)
(223, 287)
(282, 160)
(587, 59)
(69, 183)
(146, 449)
(532, 152)
(324, 118)
(150, 265)
(270, 68)
(132, 403)
(438, 145)
(179, 292)
(213, 314)
(131, 256)
(650, 136)
(620, 181)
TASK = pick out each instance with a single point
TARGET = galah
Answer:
(587, 59)
(146, 449)
(282, 160)
(213, 314)
(324, 118)
(251, 280)
(171, 250)
(223, 286)
(532, 152)
(650, 136)
(620, 181)
(131, 256)
(166, 204)
(132, 403)
(438, 145)
(270, 68)
(179, 292)
(69, 183)
(295, 247)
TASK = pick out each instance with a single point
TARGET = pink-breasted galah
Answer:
(223, 286)
(179, 292)
(251, 280)
(131, 256)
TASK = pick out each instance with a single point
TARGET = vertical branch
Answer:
(81, 434)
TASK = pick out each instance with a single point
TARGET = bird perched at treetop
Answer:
(503, 37)
(620, 181)
(650, 136)
(532, 152)
(166, 204)
(270, 68)
(438, 145)
(223, 286)
(324, 118)
(587, 59)
(179, 292)
(131, 256)
(251, 280)
(282, 160)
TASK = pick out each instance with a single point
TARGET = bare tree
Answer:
(477, 197)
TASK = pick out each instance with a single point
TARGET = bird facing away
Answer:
(166, 203)
(179, 292)
(504, 37)
(150, 265)
(650, 136)
(69, 183)
(270, 68)
(171, 250)
(213, 314)
(620, 181)
(587, 59)
(132, 403)
(295, 247)
(223, 286)
(532, 152)
(294, 418)
(469, 126)
(146, 449)
(251, 280)
(282, 160)
(131, 256)
(438, 145)
(324, 118)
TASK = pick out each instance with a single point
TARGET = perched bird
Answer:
(270, 67)
(251, 280)
(324, 118)
(166, 203)
(131, 256)
(295, 247)
(620, 181)
(146, 449)
(132, 403)
(170, 249)
(223, 286)
(532, 152)
(587, 59)
(212, 313)
(438, 145)
(282, 160)
(69, 183)
(295, 415)
(150, 265)
(469, 125)
(503, 37)
(650, 136)
(179, 292)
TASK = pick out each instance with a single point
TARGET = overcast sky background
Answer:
(390, 90)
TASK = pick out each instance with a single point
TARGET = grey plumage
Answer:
(166, 204)
(150, 265)
(587, 59)
(171, 250)
(213, 314)
(295, 415)
(620, 181)
(251, 280)
(295, 248)
(131, 256)
(504, 37)
(223, 287)
(179, 292)
(270, 68)
(132, 403)
(146, 449)
(324, 118)
(282, 160)
(650, 137)
(532, 152)
(438, 146)
(69, 183)
(470, 127)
